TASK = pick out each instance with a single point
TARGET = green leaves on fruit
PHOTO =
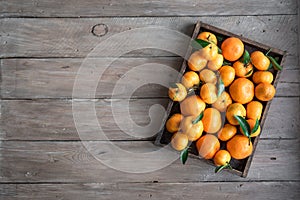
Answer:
(184, 155)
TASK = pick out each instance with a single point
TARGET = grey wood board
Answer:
(63, 162)
(53, 119)
(72, 37)
(54, 78)
(165, 191)
(92, 8)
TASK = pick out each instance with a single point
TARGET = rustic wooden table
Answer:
(43, 44)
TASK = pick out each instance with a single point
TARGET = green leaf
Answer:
(195, 121)
(219, 38)
(221, 87)
(199, 44)
(244, 125)
(275, 63)
(184, 155)
(220, 168)
(219, 50)
(256, 126)
(226, 63)
(245, 58)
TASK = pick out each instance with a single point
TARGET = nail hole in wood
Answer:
(99, 30)
(273, 158)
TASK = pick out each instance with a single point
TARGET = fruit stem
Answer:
(268, 51)
(220, 168)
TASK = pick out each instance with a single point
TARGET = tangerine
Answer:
(177, 93)
(179, 141)
(239, 147)
(243, 70)
(208, 93)
(235, 109)
(259, 60)
(190, 79)
(227, 74)
(232, 48)
(265, 91)
(242, 90)
(173, 123)
(196, 62)
(216, 63)
(227, 132)
(254, 110)
(262, 77)
(208, 36)
(207, 146)
(192, 105)
(212, 120)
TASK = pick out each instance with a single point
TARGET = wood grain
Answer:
(92, 8)
(53, 119)
(54, 78)
(165, 191)
(68, 37)
(69, 162)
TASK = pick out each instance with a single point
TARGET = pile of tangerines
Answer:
(230, 82)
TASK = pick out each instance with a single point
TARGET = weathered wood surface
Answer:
(64, 162)
(42, 47)
(92, 8)
(68, 37)
(165, 191)
(53, 119)
(54, 78)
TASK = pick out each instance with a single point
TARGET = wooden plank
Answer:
(61, 37)
(53, 119)
(69, 162)
(92, 8)
(165, 191)
(54, 78)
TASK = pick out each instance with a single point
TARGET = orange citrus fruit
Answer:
(173, 123)
(242, 70)
(197, 62)
(207, 146)
(222, 102)
(216, 63)
(222, 157)
(209, 52)
(242, 90)
(251, 123)
(239, 147)
(265, 91)
(262, 77)
(189, 79)
(177, 93)
(232, 48)
(227, 132)
(212, 120)
(207, 36)
(179, 141)
(191, 129)
(192, 105)
(227, 74)
(208, 76)
(208, 93)
(254, 110)
(259, 60)
(235, 109)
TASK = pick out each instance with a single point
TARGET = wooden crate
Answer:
(240, 167)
